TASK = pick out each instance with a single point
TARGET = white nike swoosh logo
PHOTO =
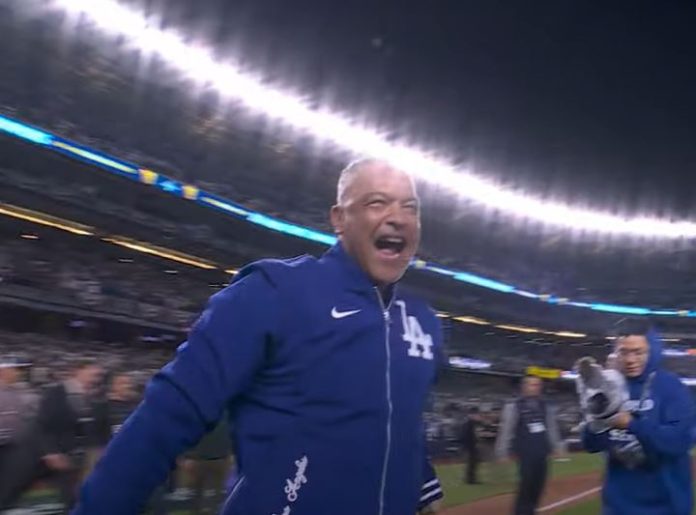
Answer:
(343, 314)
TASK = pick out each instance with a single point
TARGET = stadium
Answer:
(150, 150)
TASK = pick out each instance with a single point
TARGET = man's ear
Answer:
(337, 219)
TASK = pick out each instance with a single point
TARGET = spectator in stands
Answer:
(528, 428)
(470, 445)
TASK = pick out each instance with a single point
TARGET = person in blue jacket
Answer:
(647, 447)
(324, 366)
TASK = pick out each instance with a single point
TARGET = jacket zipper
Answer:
(390, 407)
(231, 495)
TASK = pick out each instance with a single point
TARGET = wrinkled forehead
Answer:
(367, 177)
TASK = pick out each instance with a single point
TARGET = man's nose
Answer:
(396, 217)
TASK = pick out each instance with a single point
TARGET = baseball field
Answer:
(573, 488)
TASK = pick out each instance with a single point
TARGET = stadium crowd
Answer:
(99, 281)
(99, 384)
(94, 275)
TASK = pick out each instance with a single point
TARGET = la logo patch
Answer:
(420, 343)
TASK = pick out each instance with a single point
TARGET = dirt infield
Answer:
(560, 494)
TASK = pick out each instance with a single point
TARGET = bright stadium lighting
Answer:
(162, 252)
(199, 64)
(568, 334)
(518, 328)
(25, 132)
(47, 220)
(471, 320)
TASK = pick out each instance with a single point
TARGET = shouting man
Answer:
(324, 366)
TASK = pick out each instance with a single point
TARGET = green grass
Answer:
(500, 479)
(592, 507)
(497, 479)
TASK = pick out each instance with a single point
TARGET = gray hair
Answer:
(349, 172)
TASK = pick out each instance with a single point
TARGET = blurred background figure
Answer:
(16, 404)
(528, 428)
(208, 464)
(121, 400)
(111, 412)
(471, 445)
(66, 422)
(56, 443)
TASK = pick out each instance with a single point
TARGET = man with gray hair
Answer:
(324, 366)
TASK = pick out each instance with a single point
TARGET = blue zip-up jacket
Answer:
(662, 424)
(325, 384)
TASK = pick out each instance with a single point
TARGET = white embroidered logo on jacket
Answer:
(293, 486)
(421, 344)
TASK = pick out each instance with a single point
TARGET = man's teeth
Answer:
(391, 244)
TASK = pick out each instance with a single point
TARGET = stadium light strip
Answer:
(154, 250)
(189, 192)
(42, 219)
(198, 63)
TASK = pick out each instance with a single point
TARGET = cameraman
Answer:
(647, 446)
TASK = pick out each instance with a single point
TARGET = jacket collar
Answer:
(352, 276)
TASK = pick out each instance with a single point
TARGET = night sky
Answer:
(592, 101)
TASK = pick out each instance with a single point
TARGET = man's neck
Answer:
(386, 292)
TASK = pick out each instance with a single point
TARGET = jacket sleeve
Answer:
(431, 490)
(224, 351)
(506, 429)
(594, 442)
(670, 433)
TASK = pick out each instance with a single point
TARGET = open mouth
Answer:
(391, 246)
